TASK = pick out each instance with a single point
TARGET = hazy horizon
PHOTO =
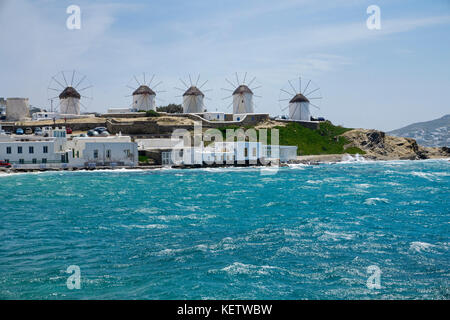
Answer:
(383, 79)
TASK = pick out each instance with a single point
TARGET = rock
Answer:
(380, 146)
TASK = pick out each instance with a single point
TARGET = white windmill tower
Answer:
(242, 95)
(71, 94)
(299, 99)
(193, 97)
(144, 97)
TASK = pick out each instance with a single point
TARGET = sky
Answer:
(382, 79)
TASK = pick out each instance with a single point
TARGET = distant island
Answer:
(432, 133)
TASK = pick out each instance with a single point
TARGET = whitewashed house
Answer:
(103, 151)
(34, 152)
(213, 116)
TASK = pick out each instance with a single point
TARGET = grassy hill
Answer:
(326, 140)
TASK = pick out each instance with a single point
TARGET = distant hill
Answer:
(432, 133)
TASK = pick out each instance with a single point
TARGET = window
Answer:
(127, 152)
(34, 160)
(95, 154)
(245, 152)
(31, 149)
(44, 160)
(45, 149)
(166, 158)
(19, 149)
(8, 150)
(21, 161)
(7, 160)
(108, 154)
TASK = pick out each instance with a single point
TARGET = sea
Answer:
(352, 230)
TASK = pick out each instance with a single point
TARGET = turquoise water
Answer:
(308, 232)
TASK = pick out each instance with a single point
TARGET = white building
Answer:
(299, 108)
(17, 109)
(42, 115)
(121, 110)
(53, 150)
(243, 100)
(193, 100)
(213, 116)
(230, 153)
(103, 151)
(29, 151)
(144, 99)
(69, 101)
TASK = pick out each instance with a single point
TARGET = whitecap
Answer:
(336, 236)
(374, 201)
(420, 246)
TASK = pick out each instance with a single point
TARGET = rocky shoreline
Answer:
(377, 145)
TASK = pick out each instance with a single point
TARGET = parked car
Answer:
(4, 164)
(38, 131)
(68, 130)
(104, 133)
(19, 131)
(28, 131)
(100, 129)
(83, 135)
(2, 131)
(92, 133)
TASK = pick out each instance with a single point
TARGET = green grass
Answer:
(325, 140)
(143, 158)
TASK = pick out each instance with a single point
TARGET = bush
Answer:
(171, 108)
(152, 113)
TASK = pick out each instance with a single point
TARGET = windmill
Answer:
(241, 94)
(71, 93)
(193, 97)
(144, 95)
(297, 94)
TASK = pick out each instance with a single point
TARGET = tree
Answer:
(171, 108)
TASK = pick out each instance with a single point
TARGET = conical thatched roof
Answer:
(299, 98)
(69, 92)
(193, 91)
(144, 90)
(242, 89)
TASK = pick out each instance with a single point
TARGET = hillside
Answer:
(432, 133)
(326, 140)
(380, 146)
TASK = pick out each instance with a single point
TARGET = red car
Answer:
(4, 164)
(68, 130)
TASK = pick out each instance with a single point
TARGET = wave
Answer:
(420, 246)
(374, 201)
